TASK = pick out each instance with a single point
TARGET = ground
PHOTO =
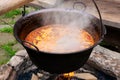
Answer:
(8, 44)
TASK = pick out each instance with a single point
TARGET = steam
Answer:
(68, 43)
(73, 20)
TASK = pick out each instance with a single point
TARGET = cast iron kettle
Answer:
(53, 62)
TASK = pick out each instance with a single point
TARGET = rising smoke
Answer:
(72, 19)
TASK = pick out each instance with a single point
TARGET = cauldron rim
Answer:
(59, 9)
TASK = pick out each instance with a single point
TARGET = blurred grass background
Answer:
(7, 21)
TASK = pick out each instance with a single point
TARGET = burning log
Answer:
(7, 5)
(105, 60)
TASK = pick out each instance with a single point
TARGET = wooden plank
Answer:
(7, 5)
(45, 3)
(110, 9)
(85, 76)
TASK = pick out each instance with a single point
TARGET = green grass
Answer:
(13, 13)
(7, 30)
(8, 48)
(9, 19)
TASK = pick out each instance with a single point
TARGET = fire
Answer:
(71, 74)
(65, 76)
(60, 39)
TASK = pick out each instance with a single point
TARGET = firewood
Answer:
(101, 59)
(85, 76)
(105, 60)
(7, 73)
(7, 5)
(34, 77)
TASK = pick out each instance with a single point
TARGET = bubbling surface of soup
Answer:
(60, 39)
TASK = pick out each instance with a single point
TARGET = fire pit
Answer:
(55, 48)
(52, 61)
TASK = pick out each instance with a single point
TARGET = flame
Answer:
(71, 74)
(60, 38)
(65, 76)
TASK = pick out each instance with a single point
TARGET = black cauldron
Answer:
(53, 62)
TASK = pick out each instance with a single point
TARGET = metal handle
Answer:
(23, 43)
(84, 6)
(101, 23)
(24, 11)
(98, 12)
(95, 4)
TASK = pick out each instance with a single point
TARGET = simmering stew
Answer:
(60, 39)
